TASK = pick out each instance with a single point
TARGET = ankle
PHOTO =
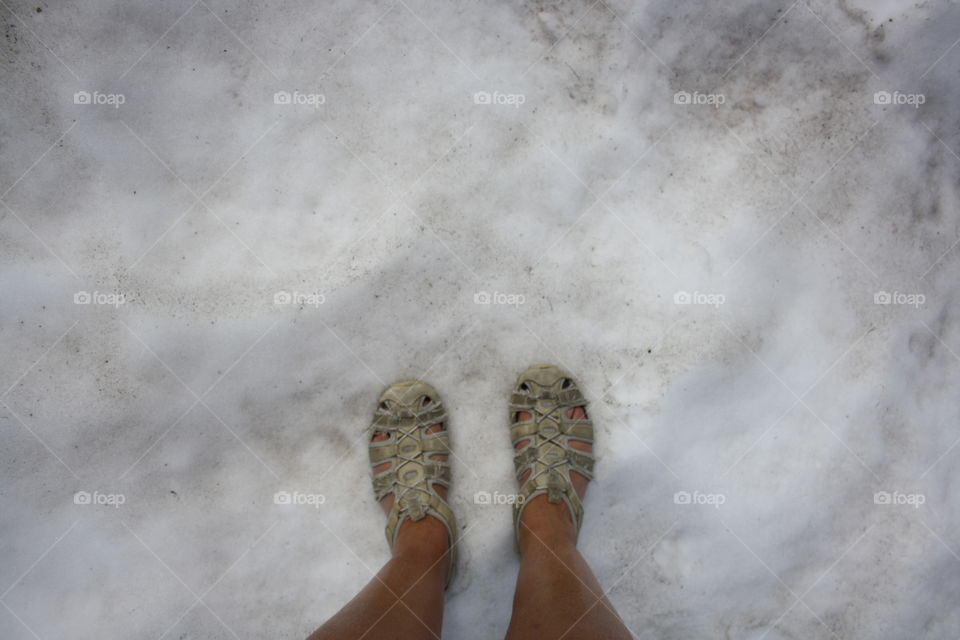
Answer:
(545, 524)
(426, 538)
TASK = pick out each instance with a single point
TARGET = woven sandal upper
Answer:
(412, 474)
(547, 393)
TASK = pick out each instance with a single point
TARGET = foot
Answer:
(426, 537)
(545, 522)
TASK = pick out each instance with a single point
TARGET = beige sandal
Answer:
(547, 393)
(404, 412)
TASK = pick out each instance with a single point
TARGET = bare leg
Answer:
(557, 595)
(405, 598)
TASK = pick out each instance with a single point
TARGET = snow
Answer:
(583, 199)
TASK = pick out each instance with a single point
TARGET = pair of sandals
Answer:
(413, 458)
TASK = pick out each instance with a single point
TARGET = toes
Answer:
(436, 428)
(579, 413)
(521, 416)
(581, 446)
(380, 436)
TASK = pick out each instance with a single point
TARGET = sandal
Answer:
(547, 393)
(404, 412)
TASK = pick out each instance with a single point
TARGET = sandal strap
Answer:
(547, 393)
(412, 474)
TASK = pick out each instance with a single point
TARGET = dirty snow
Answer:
(227, 226)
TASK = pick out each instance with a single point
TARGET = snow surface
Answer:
(395, 203)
